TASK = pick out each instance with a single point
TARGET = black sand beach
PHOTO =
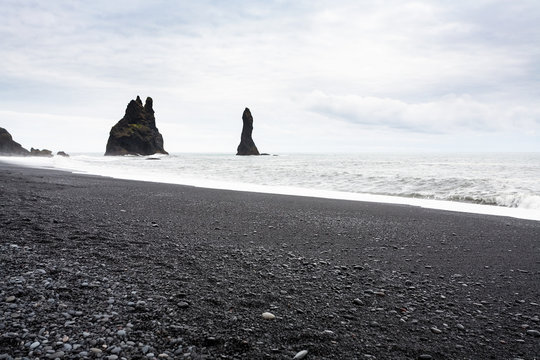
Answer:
(93, 267)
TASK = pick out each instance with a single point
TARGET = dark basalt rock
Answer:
(136, 133)
(10, 147)
(247, 146)
(44, 152)
(61, 153)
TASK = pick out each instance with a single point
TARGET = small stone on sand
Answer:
(301, 354)
(268, 316)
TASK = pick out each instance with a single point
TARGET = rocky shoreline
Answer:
(94, 267)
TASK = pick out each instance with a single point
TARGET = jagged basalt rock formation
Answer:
(136, 133)
(43, 153)
(247, 146)
(10, 147)
(62, 153)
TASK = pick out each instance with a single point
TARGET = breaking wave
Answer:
(491, 180)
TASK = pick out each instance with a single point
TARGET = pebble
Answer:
(121, 333)
(436, 330)
(268, 316)
(95, 350)
(460, 327)
(183, 305)
(10, 299)
(58, 354)
(300, 355)
(358, 301)
(425, 357)
(34, 345)
(535, 333)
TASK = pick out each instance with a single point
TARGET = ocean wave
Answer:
(504, 181)
(517, 200)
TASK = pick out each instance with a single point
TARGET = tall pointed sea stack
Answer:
(136, 133)
(247, 146)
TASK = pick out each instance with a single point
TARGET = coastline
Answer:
(187, 272)
(142, 170)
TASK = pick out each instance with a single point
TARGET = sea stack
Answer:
(10, 147)
(42, 153)
(247, 146)
(136, 133)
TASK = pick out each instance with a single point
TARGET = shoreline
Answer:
(435, 204)
(127, 269)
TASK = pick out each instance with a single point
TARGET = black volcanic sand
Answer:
(94, 267)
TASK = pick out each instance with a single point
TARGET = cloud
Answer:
(446, 115)
(417, 66)
(391, 49)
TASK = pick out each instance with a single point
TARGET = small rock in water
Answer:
(268, 316)
(300, 355)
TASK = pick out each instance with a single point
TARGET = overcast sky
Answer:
(318, 76)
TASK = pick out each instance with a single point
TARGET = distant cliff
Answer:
(136, 133)
(247, 145)
(9, 147)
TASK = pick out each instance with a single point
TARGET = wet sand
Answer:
(94, 267)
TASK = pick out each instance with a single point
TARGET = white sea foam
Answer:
(497, 184)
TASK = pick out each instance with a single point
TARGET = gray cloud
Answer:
(426, 67)
(450, 114)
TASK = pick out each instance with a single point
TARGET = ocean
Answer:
(506, 184)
